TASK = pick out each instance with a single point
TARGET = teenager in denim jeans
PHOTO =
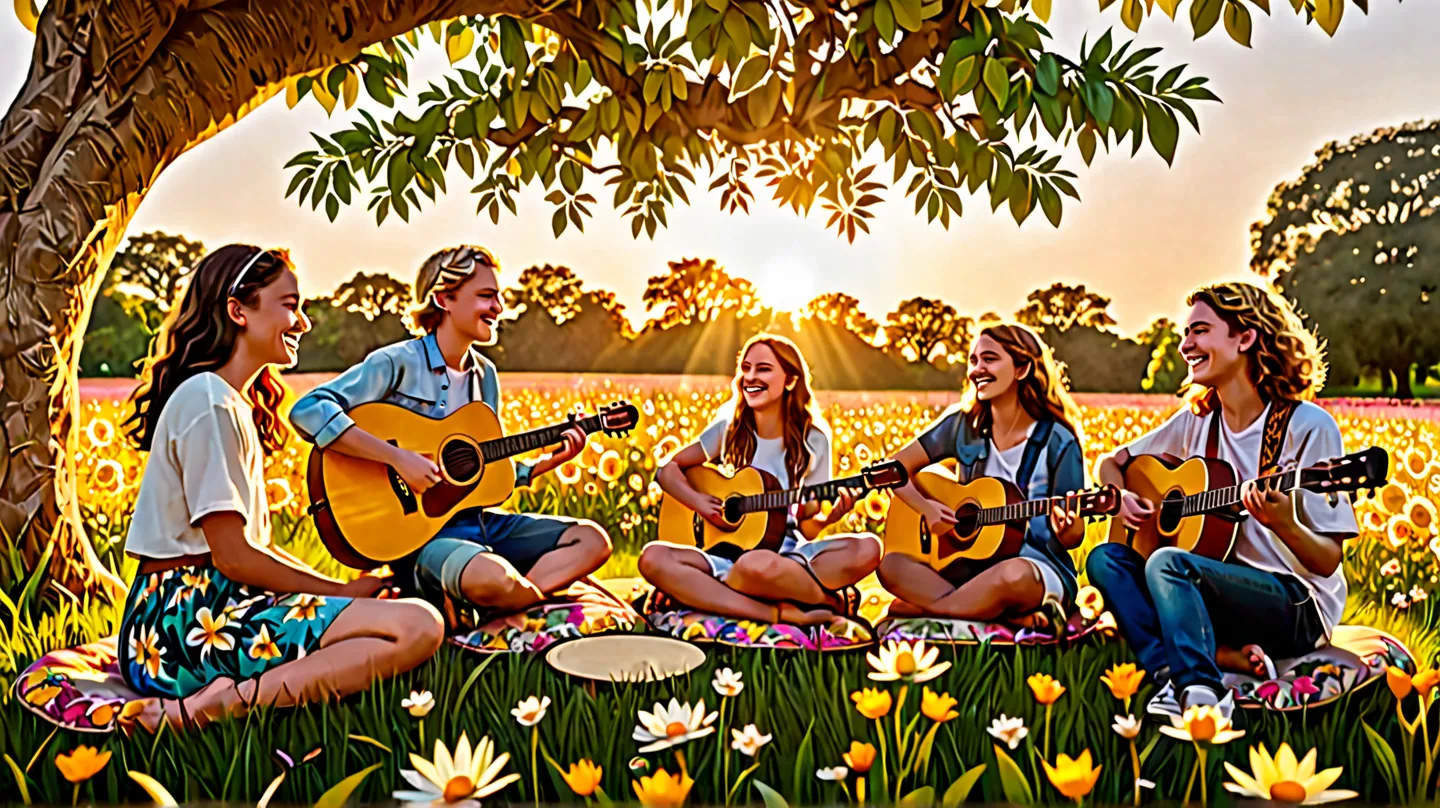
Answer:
(492, 559)
(1283, 590)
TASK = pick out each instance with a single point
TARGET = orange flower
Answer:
(1046, 689)
(82, 764)
(1073, 778)
(583, 778)
(872, 703)
(1425, 682)
(1399, 681)
(938, 708)
(860, 757)
(1123, 680)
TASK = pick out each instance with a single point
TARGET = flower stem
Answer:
(422, 736)
(1425, 750)
(884, 766)
(535, 770)
(1135, 762)
(1193, 771)
(721, 752)
(860, 790)
(1408, 739)
(75, 795)
(1047, 730)
(1200, 763)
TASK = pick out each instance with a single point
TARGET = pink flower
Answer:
(1304, 686)
(1268, 691)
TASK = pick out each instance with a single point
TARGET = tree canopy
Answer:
(1354, 240)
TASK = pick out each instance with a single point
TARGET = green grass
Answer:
(786, 694)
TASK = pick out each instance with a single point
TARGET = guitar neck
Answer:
(1229, 496)
(1018, 511)
(779, 500)
(522, 442)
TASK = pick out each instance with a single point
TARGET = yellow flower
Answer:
(664, 728)
(876, 504)
(636, 482)
(262, 647)
(1202, 724)
(1090, 602)
(1399, 681)
(663, 790)
(901, 660)
(1123, 680)
(1046, 689)
(583, 778)
(1425, 682)
(1400, 530)
(82, 764)
(101, 432)
(147, 651)
(568, 473)
(1073, 778)
(872, 703)
(108, 476)
(1282, 779)
(610, 466)
(304, 607)
(860, 757)
(278, 493)
(210, 633)
(463, 777)
(940, 708)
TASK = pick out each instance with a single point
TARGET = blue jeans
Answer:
(1175, 608)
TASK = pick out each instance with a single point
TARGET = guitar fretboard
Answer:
(779, 500)
(1030, 508)
(1227, 497)
(523, 442)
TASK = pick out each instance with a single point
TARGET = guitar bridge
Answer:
(926, 541)
(698, 528)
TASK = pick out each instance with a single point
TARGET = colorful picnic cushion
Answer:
(945, 631)
(584, 609)
(1356, 656)
(76, 688)
(842, 634)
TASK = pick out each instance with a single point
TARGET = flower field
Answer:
(1032, 724)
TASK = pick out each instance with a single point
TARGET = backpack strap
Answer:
(1212, 436)
(1038, 440)
(1277, 427)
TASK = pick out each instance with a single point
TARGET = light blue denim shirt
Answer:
(410, 374)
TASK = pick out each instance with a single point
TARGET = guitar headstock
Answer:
(618, 418)
(1103, 501)
(1364, 469)
(889, 474)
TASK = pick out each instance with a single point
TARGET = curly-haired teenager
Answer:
(1283, 590)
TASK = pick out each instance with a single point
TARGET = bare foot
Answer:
(1248, 660)
(904, 608)
(793, 615)
(147, 715)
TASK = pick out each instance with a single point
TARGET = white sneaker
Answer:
(1164, 703)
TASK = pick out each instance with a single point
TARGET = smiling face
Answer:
(1211, 349)
(992, 370)
(762, 378)
(474, 306)
(271, 330)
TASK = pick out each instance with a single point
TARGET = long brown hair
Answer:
(1287, 361)
(198, 336)
(1042, 393)
(797, 411)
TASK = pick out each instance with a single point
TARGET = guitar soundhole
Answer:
(461, 460)
(967, 519)
(731, 511)
(1171, 508)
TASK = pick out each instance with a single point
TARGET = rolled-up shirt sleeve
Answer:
(940, 437)
(321, 415)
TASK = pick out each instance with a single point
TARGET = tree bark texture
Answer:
(117, 90)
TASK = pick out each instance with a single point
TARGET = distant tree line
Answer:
(697, 317)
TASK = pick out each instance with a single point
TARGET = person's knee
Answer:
(756, 568)
(488, 583)
(1166, 564)
(593, 540)
(422, 629)
(655, 559)
(865, 556)
(1017, 573)
(893, 568)
(1105, 562)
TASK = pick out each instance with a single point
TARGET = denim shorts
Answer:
(519, 538)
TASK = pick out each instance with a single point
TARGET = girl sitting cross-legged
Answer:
(218, 619)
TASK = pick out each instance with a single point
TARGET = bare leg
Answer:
(684, 574)
(369, 640)
(845, 561)
(767, 575)
(1248, 660)
(1011, 587)
(490, 581)
(914, 584)
(582, 549)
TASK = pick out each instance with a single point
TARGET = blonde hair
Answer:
(1287, 361)
(443, 272)
(798, 411)
(1042, 393)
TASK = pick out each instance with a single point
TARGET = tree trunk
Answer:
(1402, 382)
(117, 90)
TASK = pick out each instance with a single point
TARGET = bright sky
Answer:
(1144, 233)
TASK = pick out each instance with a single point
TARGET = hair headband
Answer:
(235, 284)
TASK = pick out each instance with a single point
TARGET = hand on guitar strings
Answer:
(843, 504)
(711, 509)
(572, 441)
(1274, 508)
(1066, 522)
(418, 471)
(369, 586)
(939, 516)
(1135, 509)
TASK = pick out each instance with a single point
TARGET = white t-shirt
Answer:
(770, 454)
(205, 457)
(459, 393)
(1314, 437)
(1006, 464)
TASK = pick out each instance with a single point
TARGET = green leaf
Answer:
(1049, 202)
(961, 788)
(1164, 129)
(558, 222)
(1328, 14)
(1041, 9)
(1384, 760)
(1086, 141)
(739, 30)
(750, 74)
(19, 779)
(1047, 74)
(1205, 13)
(771, 797)
(1017, 788)
(1101, 52)
(475, 674)
(1099, 99)
(761, 103)
(1237, 22)
(337, 796)
(885, 20)
(332, 207)
(967, 75)
(1022, 200)
(804, 759)
(922, 797)
(997, 81)
(907, 14)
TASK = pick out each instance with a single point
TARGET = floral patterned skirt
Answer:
(184, 628)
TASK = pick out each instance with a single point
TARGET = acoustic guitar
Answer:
(367, 515)
(1197, 501)
(990, 518)
(755, 505)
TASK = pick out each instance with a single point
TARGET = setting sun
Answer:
(785, 284)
